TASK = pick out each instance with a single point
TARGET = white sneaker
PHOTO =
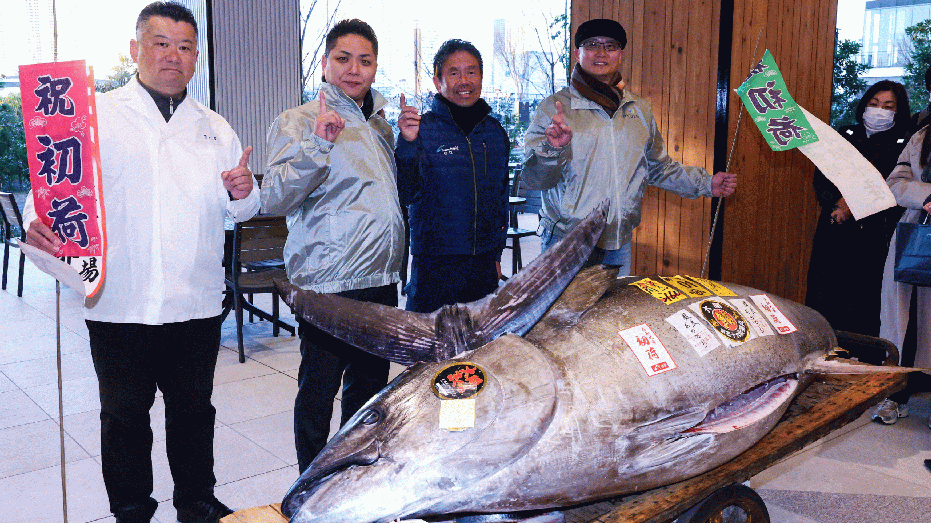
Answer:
(888, 412)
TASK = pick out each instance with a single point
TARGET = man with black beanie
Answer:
(621, 152)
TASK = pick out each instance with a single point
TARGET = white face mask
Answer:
(876, 119)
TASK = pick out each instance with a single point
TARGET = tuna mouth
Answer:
(317, 475)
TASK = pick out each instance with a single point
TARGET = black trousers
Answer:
(132, 361)
(445, 280)
(325, 361)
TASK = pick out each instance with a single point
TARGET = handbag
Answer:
(913, 252)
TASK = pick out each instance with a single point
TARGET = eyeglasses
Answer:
(594, 45)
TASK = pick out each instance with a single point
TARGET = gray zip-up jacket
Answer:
(345, 229)
(608, 158)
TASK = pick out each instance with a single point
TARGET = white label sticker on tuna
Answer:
(773, 314)
(698, 336)
(649, 350)
(756, 319)
(457, 414)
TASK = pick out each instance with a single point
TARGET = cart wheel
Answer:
(730, 504)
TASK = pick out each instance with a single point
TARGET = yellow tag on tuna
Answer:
(659, 291)
(688, 286)
(713, 286)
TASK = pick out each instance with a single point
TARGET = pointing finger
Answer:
(559, 108)
(403, 100)
(322, 102)
(244, 160)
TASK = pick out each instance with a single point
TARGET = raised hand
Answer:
(328, 124)
(409, 121)
(238, 180)
(558, 133)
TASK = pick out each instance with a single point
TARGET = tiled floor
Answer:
(865, 472)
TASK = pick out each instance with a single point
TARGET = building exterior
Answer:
(885, 45)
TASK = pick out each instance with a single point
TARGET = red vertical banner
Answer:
(63, 146)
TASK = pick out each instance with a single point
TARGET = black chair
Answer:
(514, 232)
(257, 243)
(12, 219)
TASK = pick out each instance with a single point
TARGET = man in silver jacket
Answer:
(620, 151)
(331, 170)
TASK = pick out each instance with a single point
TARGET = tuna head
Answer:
(431, 442)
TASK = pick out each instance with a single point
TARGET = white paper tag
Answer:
(753, 316)
(773, 314)
(457, 414)
(649, 350)
(698, 336)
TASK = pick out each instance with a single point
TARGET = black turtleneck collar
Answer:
(466, 117)
(166, 104)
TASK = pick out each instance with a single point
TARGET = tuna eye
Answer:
(371, 417)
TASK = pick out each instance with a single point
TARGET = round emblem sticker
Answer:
(459, 381)
(725, 319)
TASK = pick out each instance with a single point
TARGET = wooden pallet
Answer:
(828, 404)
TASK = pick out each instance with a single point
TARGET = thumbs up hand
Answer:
(328, 124)
(558, 132)
(409, 121)
(238, 180)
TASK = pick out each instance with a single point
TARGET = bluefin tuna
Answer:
(563, 387)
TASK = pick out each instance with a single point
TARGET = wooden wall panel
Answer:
(671, 60)
(770, 222)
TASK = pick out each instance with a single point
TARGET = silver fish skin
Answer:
(567, 414)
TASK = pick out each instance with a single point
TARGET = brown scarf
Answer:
(608, 96)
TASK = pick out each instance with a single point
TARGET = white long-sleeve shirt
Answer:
(165, 206)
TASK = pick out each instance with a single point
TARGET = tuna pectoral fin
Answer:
(757, 404)
(816, 363)
(391, 333)
(526, 297)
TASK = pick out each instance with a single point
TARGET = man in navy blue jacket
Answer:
(453, 173)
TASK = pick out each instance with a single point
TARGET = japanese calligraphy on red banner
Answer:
(62, 144)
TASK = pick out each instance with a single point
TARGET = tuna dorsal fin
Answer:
(408, 337)
(525, 298)
(584, 291)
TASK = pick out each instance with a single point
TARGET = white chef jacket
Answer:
(165, 205)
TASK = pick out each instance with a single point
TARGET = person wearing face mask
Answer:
(847, 257)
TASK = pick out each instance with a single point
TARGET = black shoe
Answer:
(207, 511)
(136, 513)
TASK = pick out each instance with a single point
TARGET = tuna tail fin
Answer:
(408, 337)
(391, 333)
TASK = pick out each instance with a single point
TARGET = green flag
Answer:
(768, 101)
